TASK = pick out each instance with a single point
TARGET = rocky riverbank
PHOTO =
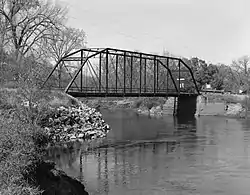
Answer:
(72, 123)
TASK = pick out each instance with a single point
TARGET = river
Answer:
(165, 156)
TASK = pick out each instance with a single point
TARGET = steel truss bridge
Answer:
(108, 72)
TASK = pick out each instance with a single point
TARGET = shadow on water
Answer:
(166, 155)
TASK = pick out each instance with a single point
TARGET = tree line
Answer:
(229, 78)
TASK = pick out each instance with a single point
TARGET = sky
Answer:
(217, 31)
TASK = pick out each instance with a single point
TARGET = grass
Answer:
(22, 141)
(21, 151)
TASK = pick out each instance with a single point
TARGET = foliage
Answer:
(241, 72)
(220, 76)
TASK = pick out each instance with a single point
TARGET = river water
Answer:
(165, 156)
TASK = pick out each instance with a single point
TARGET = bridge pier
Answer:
(186, 106)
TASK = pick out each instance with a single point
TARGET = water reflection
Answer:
(208, 155)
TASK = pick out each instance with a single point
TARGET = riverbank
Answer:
(227, 105)
(30, 121)
(156, 106)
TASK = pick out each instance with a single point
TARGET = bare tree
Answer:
(241, 64)
(63, 42)
(28, 22)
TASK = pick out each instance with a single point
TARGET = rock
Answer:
(73, 137)
(144, 111)
(81, 135)
(73, 122)
(155, 110)
(235, 110)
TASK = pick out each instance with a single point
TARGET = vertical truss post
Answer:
(179, 83)
(100, 72)
(140, 71)
(167, 73)
(157, 75)
(81, 70)
(145, 74)
(107, 71)
(154, 73)
(124, 73)
(86, 78)
(131, 76)
(116, 72)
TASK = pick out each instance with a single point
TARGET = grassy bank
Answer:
(21, 151)
(23, 142)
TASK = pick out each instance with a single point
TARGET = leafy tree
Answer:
(219, 77)
(241, 72)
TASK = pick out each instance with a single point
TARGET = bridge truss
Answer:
(109, 72)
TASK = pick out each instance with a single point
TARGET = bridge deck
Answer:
(128, 94)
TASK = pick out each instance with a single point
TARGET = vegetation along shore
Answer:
(28, 127)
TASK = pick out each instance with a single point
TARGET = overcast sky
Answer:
(214, 30)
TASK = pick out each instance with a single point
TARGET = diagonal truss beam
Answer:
(80, 68)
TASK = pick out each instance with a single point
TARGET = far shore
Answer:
(211, 104)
